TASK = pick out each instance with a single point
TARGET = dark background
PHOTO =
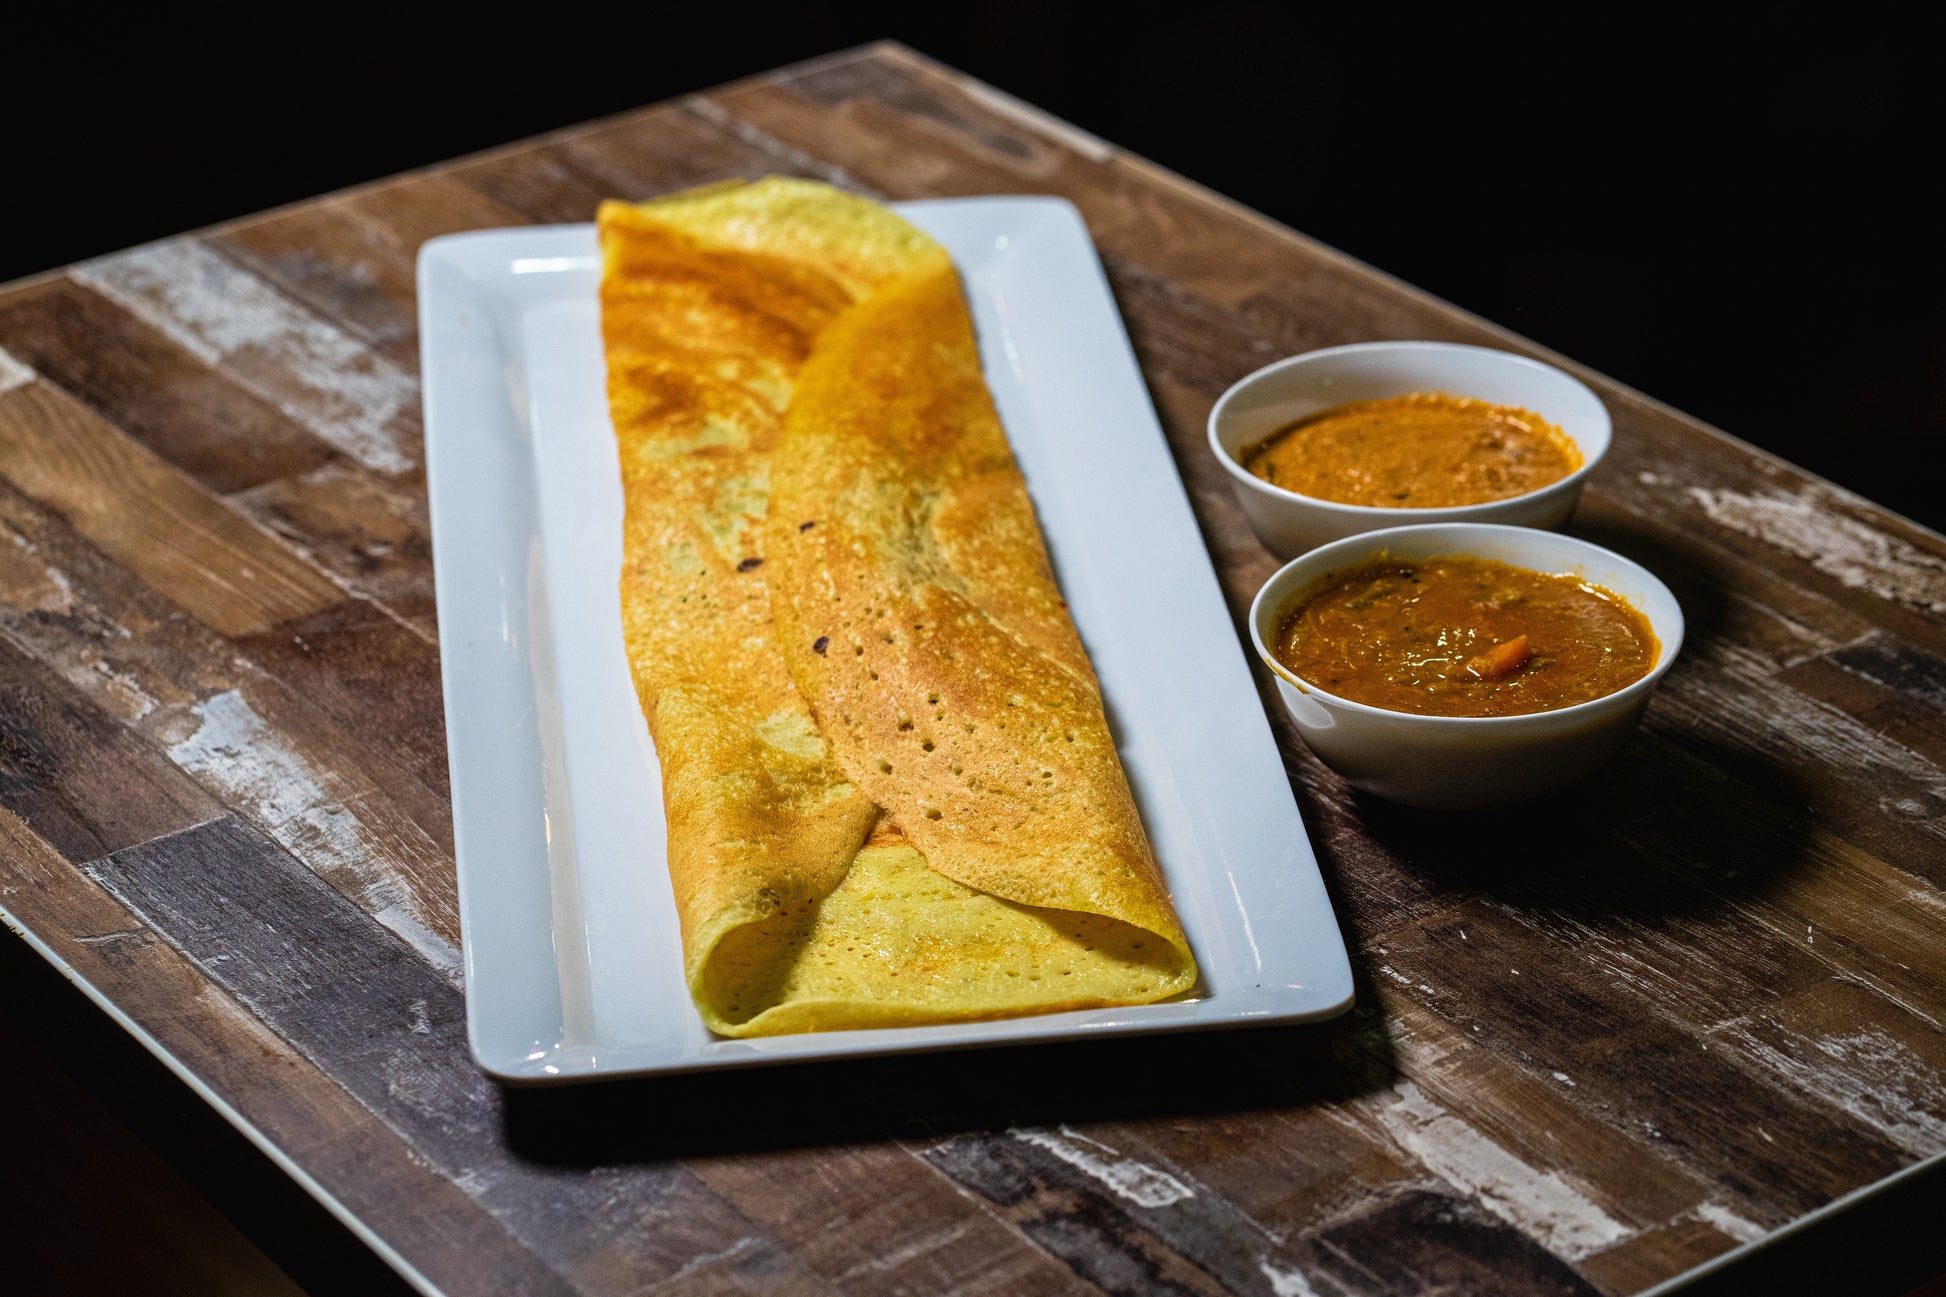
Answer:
(1742, 220)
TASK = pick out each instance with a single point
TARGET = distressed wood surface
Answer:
(1594, 1048)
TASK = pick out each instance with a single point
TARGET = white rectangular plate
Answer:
(573, 959)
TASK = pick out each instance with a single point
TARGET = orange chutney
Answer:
(1424, 451)
(1461, 636)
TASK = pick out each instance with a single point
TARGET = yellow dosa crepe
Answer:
(891, 794)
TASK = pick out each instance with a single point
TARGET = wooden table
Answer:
(1596, 1045)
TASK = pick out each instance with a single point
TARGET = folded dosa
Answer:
(891, 792)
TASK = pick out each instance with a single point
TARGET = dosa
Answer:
(891, 793)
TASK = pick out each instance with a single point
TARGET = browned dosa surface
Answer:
(840, 614)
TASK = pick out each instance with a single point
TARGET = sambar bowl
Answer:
(1453, 762)
(1262, 404)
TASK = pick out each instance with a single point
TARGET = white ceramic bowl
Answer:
(1463, 761)
(1280, 394)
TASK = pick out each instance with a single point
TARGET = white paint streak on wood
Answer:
(1873, 1076)
(135, 705)
(1286, 1283)
(1861, 556)
(14, 372)
(1878, 986)
(1138, 1182)
(119, 693)
(321, 376)
(912, 1251)
(1731, 1224)
(30, 584)
(1538, 1203)
(698, 1263)
(99, 938)
(235, 750)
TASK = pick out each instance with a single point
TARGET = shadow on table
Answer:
(936, 1096)
(1678, 825)
(1675, 825)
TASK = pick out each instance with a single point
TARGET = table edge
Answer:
(223, 1108)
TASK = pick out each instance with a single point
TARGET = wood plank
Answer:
(874, 1220)
(357, 1160)
(1878, 795)
(352, 260)
(154, 390)
(1767, 617)
(1124, 1225)
(1259, 1119)
(1132, 1222)
(1653, 982)
(1477, 1129)
(1835, 1040)
(1525, 1141)
(345, 394)
(1236, 1190)
(1419, 1241)
(1545, 1208)
(371, 533)
(67, 604)
(1648, 1258)
(150, 516)
(1896, 689)
(296, 777)
(675, 146)
(1866, 921)
(535, 179)
(366, 1010)
(339, 270)
(85, 784)
(758, 1152)
(1245, 1210)
(255, 743)
(405, 213)
(378, 677)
